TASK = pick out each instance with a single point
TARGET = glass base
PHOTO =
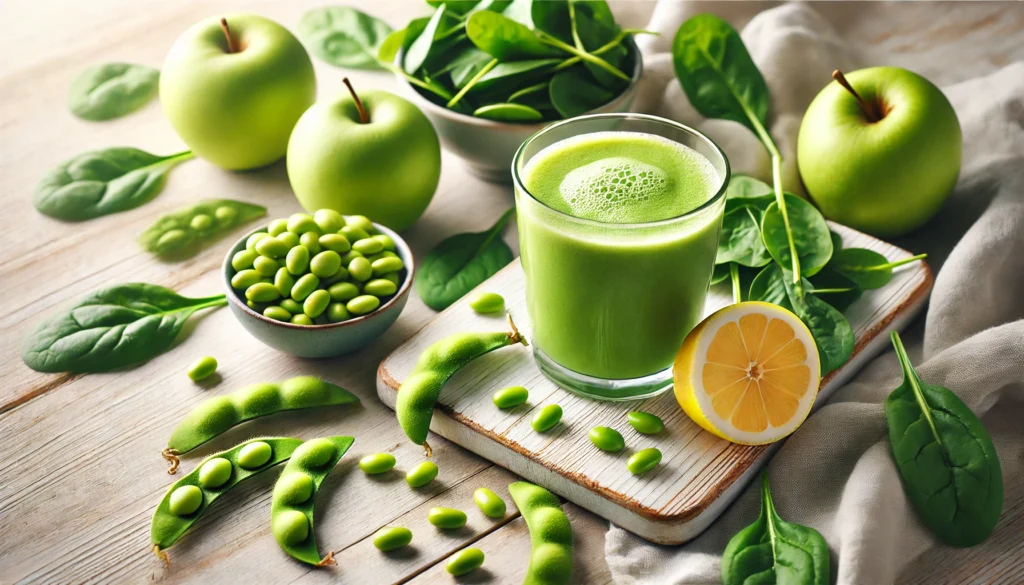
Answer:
(600, 388)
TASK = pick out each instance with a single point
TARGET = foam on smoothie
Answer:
(621, 177)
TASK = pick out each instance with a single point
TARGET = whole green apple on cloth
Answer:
(879, 150)
(373, 154)
(234, 87)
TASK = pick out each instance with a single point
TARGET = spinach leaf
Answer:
(768, 287)
(492, 5)
(423, 44)
(509, 113)
(343, 36)
(867, 268)
(717, 74)
(103, 182)
(111, 90)
(949, 466)
(741, 240)
(460, 263)
(574, 92)
(809, 232)
(830, 280)
(550, 16)
(831, 330)
(720, 273)
(398, 40)
(114, 327)
(455, 7)
(466, 65)
(505, 39)
(772, 550)
(747, 187)
(513, 74)
(183, 232)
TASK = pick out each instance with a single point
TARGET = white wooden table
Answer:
(80, 470)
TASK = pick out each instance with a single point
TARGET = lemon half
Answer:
(749, 373)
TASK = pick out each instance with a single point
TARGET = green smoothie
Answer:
(614, 297)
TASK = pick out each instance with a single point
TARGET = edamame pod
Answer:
(180, 508)
(195, 224)
(216, 415)
(418, 393)
(291, 508)
(550, 534)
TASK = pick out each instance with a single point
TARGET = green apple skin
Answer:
(386, 169)
(889, 177)
(237, 110)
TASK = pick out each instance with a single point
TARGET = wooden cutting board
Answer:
(700, 474)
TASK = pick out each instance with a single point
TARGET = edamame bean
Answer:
(339, 276)
(172, 239)
(291, 305)
(353, 234)
(316, 303)
(254, 455)
(363, 305)
(422, 474)
(336, 313)
(380, 287)
(360, 269)
(273, 247)
(185, 500)
(343, 291)
(335, 242)
(377, 463)
(297, 260)
(304, 286)
(368, 246)
(325, 264)
(216, 415)
(300, 223)
(265, 266)
(393, 277)
(242, 260)
(607, 439)
(392, 537)
(546, 418)
(349, 256)
(510, 397)
(262, 292)
(301, 319)
(214, 473)
(277, 227)
(385, 265)
(227, 215)
(487, 302)
(167, 527)
(284, 281)
(645, 422)
(418, 393)
(277, 313)
(245, 278)
(292, 505)
(447, 518)
(202, 368)
(311, 240)
(360, 221)
(464, 561)
(643, 461)
(201, 222)
(251, 241)
(489, 503)
(328, 220)
(291, 240)
(386, 242)
(550, 534)
(258, 307)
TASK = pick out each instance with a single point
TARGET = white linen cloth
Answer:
(836, 472)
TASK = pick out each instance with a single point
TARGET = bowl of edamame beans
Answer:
(318, 285)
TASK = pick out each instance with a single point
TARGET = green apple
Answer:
(879, 150)
(233, 89)
(374, 154)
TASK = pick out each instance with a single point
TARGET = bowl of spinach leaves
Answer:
(489, 74)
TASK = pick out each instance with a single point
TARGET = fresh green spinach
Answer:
(423, 43)
(867, 268)
(505, 39)
(842, 292)
(772, 550)
(181, 233)
(111, 90)
(741, 240)
(949, 466)
(574, 92)
(460, 263)
(509, 113)
(114, 327)
(831, 330)
(343, 36)
(806, 229)
(746, 187)
(103, 182)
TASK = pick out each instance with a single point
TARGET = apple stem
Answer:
(232, 47)
(363, 116)
(868, 110)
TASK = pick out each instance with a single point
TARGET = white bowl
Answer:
(488, 146)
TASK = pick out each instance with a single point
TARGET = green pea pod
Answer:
(291, 510)
(175, 233)
(212, 417)
(550, 534)
(180, 508)
(418, 394)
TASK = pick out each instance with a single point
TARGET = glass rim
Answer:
(518, 182)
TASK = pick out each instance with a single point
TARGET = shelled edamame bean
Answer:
(203, 368)
(377, 463)
(464, 561)
(447, 518)
(422, 474)
(392, 537)
(318, 269)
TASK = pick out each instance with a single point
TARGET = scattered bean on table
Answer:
(202, 368)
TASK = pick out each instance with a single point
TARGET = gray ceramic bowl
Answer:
(487, 146)
(319, 341)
